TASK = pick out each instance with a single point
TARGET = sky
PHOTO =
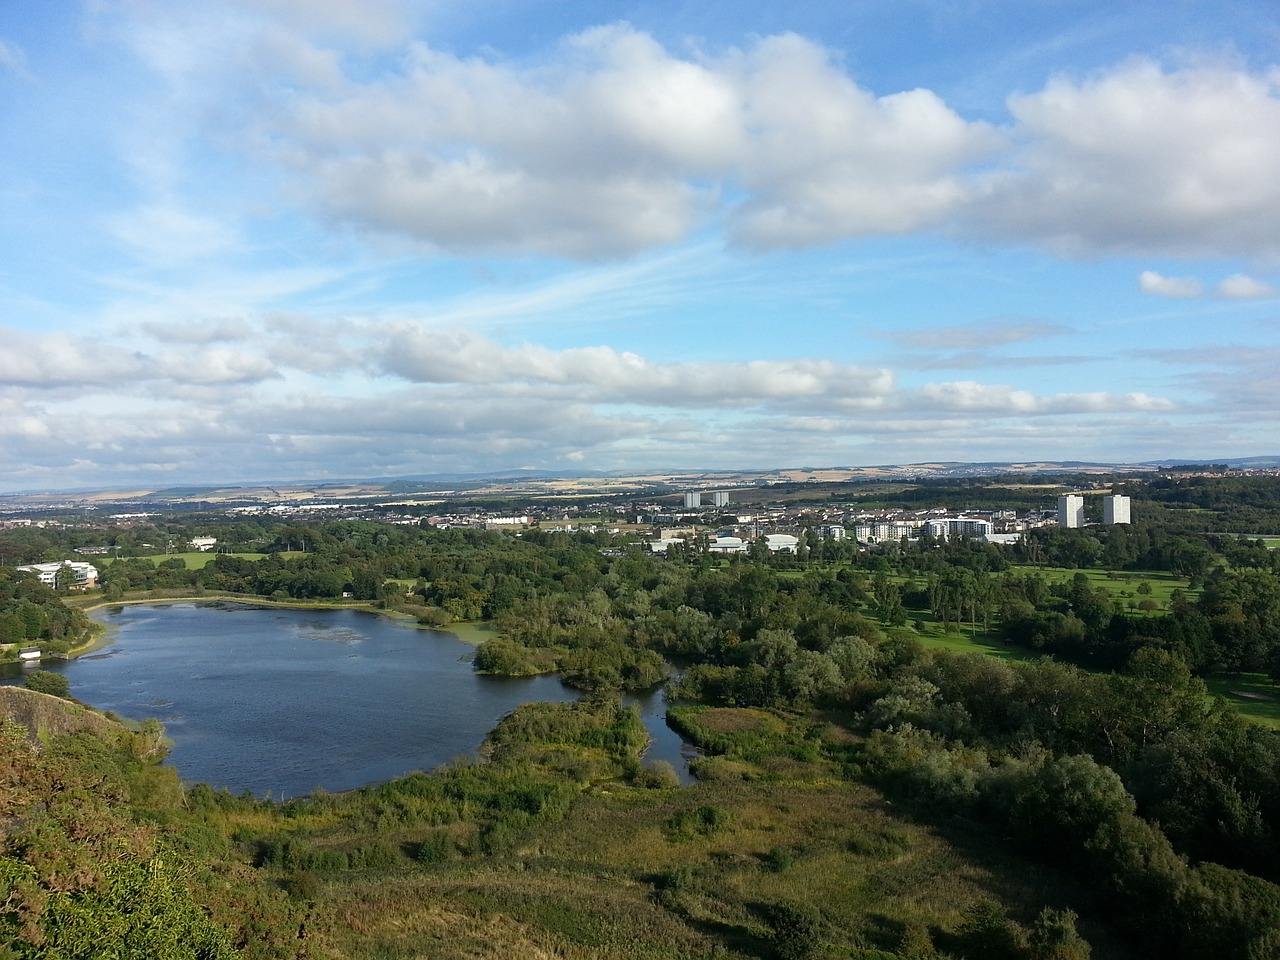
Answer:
(306, 240)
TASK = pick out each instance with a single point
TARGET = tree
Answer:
(1054, 937)
(46, 681)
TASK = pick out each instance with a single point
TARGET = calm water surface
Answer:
(283, 701)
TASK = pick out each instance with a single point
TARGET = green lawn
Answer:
(1254, 695)
(965, 641)
(1123, 584)
(195, 560)
(477, 632)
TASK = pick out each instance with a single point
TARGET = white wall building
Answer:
(720, 499)
(727, 545)
(1115, 509)
(663, 545)
(881, 531)
(692, 499)
(781, 542)
(72, 573)
(1071, 511)
(946, 528)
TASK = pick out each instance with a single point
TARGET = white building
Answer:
(663, 545)
(1115, 509)
(720, 499)
(1071, 511)
(727, 545)
(781, 542)
(692, 499)
(945, 528)
(203, 544)
(71, 573)
(832, 531)
(881, 531)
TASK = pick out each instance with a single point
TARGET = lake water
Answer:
(281, 701)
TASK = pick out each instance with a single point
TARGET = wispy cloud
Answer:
(1161, 286)
(1240, 286)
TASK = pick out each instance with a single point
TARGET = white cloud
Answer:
(826, 160)
(1240, 286)
(1001, 400)
(609, 376)
(611, 143)
(627, 147)
(369, 22)
(13, 58)
(1138, 159)
(210, 331)
(52, 361)
(166, 234)
(1159, 285)
(976, 336)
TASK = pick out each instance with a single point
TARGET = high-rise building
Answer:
(692, 499)
(1071, 510)
(720, 499)
(1115, 509)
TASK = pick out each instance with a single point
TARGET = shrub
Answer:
(46, 681)
(797, 931)
(659, 775)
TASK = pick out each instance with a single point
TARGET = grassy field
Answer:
(1255, 695)
(1123, 585)
(477, 632)
(966, 641)
(707, 871)
(195, 560)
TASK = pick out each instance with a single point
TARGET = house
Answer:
(203, 544)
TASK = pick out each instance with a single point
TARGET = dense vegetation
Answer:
(865, 790)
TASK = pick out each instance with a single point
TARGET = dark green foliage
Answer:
(135, 909)
(796, 931)
(1130, 777)
(703, 821)
(46, 681)
(1054, 937)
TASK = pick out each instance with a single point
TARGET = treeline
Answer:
(33, 613)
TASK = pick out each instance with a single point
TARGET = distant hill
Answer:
(561, 483)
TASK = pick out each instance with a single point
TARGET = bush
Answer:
(659, 775)
(46, 681)
(701, 821)
(797, 931)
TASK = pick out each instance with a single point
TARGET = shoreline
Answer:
(472, 632)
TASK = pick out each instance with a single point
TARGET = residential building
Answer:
(946, 528)
(1071, 511)
(692, 500)
(1115, 509)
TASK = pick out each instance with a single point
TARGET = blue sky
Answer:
(313, 239)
